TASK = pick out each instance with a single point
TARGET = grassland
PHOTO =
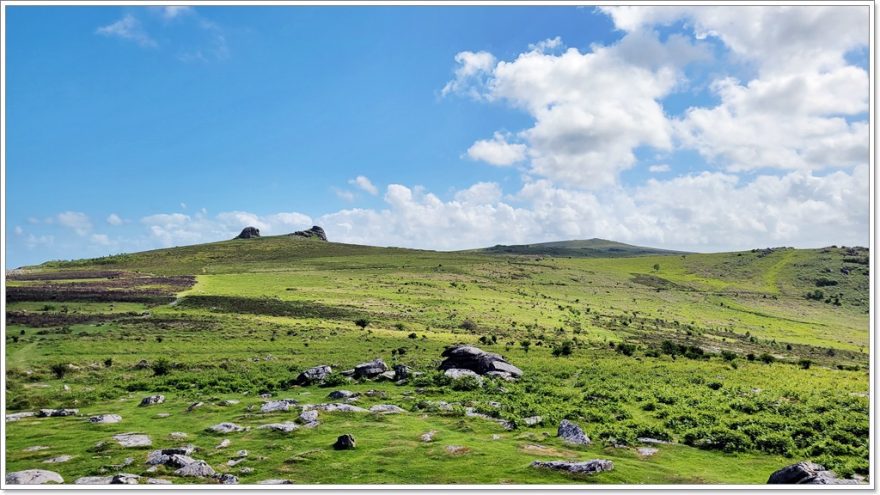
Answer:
(724, 355)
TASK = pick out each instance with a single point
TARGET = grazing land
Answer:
(739, 363)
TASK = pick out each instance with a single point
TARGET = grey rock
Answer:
(277, 405)
(315, 232)
(228, 402)
(163, 415)
(477, 360)
(807, 473)
(647, 451)
(344, 442)
(234, 462)
(226, 428)
(152, 400)
(124, 479)
(314, 375)
(386, 409)
(309, 417)
(532, 420)
(177, 435)
(370, 369)
(54, 413)
(33, 477)
(428, 437)
(187, 449)
(241, 453)
(60, 458)
(93, 480)
(35, 448)
(196, 469)
(650, 440)
(333, 407)
(156, 458)
(275, 482)
(246, 470)
(285, 427)
(248, 233)
(388, 375)
(227, 479)
(133, 440)
(105, 419)
(222, 445)
(572, 433)
(458, 373)
(158, 481)
(341, 394)
(18, 416)
(179, 460)
(587, 467)
(195, 405)
(402, 372)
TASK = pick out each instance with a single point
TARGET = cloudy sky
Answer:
(695, 128)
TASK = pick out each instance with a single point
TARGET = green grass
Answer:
(262, 310)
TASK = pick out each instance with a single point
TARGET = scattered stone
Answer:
(197, 469)
(285, 427)
(152, 469)
(402, 372)
(195, 405)
(428, 437)
(227, 479)
(458, 373)
(386, 409)
(314, 375)
(60, 458)
(315, 231)
(471, 412)
(807, 473)
(388, 375)
(93, 480)
(587, 467)
(533, 420)
(33, 477)
(333, 407)
(18, 416)
(163, 415)
(370, 369)
(177, 435)
(226, 428)
(66, 388)
(187, 449)
(650, 440)
(246, 470)
(142, 365)
(572, 433)
(152, 400)
(375, 393)
(233, 462)
(309, 419)
(241, 453)
(496, 436)
(275, 482)
(53, 413)
(477, 360)
(647, 451)
(248, 233)
(457, 450)
(267, 395)
(228, 402)
(277, 405)
(341, 394)
(105, 419)
(158, 481)
(35, 448)
(222, 445)
(344, 442)
(133, 440)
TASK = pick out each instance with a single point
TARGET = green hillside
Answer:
(590, 248)
(735, 358)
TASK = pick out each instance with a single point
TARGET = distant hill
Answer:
(590, 248)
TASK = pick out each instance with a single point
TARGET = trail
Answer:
(771, 276)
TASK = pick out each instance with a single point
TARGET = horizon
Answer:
(442, 128)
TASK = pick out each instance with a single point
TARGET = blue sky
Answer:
(131, 128)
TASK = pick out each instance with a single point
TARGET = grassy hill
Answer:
(590, 248)
(732, 357)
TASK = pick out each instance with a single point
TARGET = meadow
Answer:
(741, 363)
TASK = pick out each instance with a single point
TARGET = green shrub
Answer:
(563, 349)
(161, 366)
(59, 370)
(776, 443)
(626, 349)
(466, 383)
(805, 363)
(767, 358)
(362, 322)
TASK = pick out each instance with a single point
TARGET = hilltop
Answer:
(590, 248)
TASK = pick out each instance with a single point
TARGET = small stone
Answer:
(308, 417)
(457, 449)
(124, 479)
(277, 405)
(587, 467)
(314, 375)
(33, 477)
(195, 405)
(226, 428)
(53, 413)
(133, 440)
(93, 480)
(60, 458)
(275, 482)
(227, 479)
(163, 415)
(196, 469)
(533, 420)
(241, 453)
(344, 442)
(429, 437)
(222, 445)
(647, 451)
(228, 402)
(35, 448)
(370, 369)
(105, 419)
(177, 435)
(386, 409)
(285, 427)
(572, 433)
(246, 470)
(158, 481)
(18, 416)
(341, 394)
(152, 400)
(457, 374)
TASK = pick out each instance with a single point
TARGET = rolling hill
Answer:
(590, 248)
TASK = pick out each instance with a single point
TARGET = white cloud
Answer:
(344, 194)
(364, 184)
(497, 151)
(170, 12)
(101, 239)
(128, 28)
(661, 167)
(33, 241)
(471, 73)
(174, 229)
(18, 230)
(114, 219)
(77, 221)
(547, 45)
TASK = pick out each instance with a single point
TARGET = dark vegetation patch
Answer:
(93, 294)
(654, 281)
(269, 306)
(102, 286)
(63, 275)
(34, 319)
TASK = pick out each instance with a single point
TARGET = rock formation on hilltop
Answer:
(249, 233)
(315, 231)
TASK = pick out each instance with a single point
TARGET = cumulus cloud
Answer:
(170, 12)
(74, 220)
(114, 219)
(659, 168)
(471, 73)
(101, 239)
(174, 229)
(364, 184)
(128, 28)
(497, 151)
